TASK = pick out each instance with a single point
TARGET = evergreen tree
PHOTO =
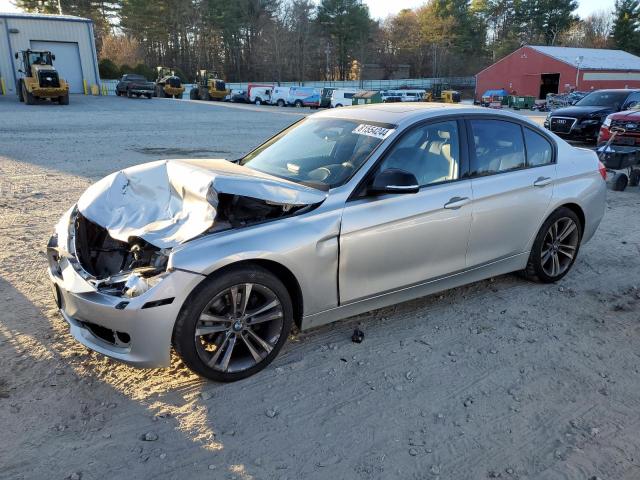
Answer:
(626, 26)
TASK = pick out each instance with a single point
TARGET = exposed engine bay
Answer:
(125, 226)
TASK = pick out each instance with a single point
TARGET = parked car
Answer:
(279, 96)
(325, 97)
(297, 95)
(629, 121)
(582, 121)
(345, 211)
(135, 85)
(240, 97)
(342, 97)
(260, 95)
(312, 101)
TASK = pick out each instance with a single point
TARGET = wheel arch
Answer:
(285, 275)
(577, 209)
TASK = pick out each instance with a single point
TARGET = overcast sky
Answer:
(382, 8)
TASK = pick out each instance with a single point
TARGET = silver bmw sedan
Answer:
(346, 211)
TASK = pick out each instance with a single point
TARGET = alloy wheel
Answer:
(239, 327)
(559, 247)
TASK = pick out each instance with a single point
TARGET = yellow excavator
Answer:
(168, 84)
(39, 79)
(208, 87)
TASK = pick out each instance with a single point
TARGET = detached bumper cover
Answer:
(135, 330)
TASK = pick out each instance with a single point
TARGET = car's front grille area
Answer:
(562, 124)
(48, 79)
(630, 126)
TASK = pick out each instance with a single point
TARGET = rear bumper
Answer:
(135, 332)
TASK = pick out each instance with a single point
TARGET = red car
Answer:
(629, 120)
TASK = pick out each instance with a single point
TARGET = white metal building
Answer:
(69, 38)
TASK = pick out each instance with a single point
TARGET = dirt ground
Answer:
(500, 379)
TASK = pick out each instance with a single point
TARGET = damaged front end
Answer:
(115, 267)
(120, 236)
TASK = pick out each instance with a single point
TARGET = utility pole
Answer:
(327, 51)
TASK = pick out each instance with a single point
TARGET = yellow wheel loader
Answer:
(168, 84)
(39, 79)
(208, 87)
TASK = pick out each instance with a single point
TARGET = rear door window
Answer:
(498, 147)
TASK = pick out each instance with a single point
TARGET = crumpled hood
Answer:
(171, 201)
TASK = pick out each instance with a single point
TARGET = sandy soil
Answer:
(500, 379)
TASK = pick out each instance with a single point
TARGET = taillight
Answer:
(603, 170)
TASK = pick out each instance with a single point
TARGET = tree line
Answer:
(298, 40)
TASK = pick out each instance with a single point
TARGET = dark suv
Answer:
(582, 120)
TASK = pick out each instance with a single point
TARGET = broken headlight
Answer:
(137, 284)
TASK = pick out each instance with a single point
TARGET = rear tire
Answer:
(620, 182)
(129, 95)
(281, 103)
(20, 96)
(243, 346)
(160, 92)
(634, 178)
(556, 247)
(193, 94)
(298, 104)
(64, 99)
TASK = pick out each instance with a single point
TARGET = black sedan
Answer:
(135, 85)
(582, 120)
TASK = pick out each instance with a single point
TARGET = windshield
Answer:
(39, 58)
(603, 99)
(326, 151)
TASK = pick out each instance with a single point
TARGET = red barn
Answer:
(538, 70)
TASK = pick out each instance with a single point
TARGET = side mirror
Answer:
(17, 55)
(394, 180)
(53, 57)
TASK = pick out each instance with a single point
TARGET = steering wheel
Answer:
(333, 173)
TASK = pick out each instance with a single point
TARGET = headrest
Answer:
(444, 134)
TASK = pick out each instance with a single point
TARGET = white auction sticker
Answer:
(372, 131)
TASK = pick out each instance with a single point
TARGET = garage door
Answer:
(67, 61)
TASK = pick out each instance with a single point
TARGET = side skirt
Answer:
(500, 267)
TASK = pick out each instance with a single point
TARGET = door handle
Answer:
(456, 202)
(542, 182)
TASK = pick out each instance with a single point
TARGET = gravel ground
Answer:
(500, 379)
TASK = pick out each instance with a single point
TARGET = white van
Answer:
(279, 96)
(260, 95)
(342, 97)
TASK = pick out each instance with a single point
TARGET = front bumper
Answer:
(48, 92)
(580, 130)
(169, 90)
(135, 330)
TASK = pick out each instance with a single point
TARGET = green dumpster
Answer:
(520, 102)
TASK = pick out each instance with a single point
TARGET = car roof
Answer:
(628, 90)
(410, 112)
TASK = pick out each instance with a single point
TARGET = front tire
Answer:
(64, 99)
(29, 99)
(233, 325)
(556, 247)
(634, 178)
